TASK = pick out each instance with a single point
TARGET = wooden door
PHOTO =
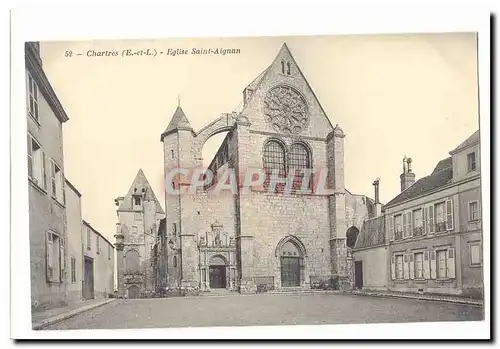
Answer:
(290, 271)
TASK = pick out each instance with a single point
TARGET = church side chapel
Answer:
(139, 214)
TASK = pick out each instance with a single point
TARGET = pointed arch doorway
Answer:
(291, 253)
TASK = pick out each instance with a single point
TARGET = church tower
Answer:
(139, 214)
(179, 155)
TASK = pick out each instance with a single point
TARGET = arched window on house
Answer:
(300, 161)
(288, 65)
(283, 67)
(274, 162)
(175, 261)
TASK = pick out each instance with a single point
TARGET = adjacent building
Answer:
(98, 265)
(139, 215)
(47, 205)
(90, 256)
(74, 259)
(433, 232)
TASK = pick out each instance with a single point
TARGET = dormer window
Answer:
(471, 161)
(283, 67)
(288, 68)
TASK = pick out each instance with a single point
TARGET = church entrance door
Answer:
(290, 271)
(217, 276)
(133, 292)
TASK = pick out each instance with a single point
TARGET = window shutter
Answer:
(393, 268)
(52, 178)
(451, 263)
(48, 254)
(406, 271)
(62, 260)
(449, 214)
(409, 221)
(425, 220)
(44, 171)
(411, 263)
(425, 267)
(63, 189)
(30, 157)
(432, 262)
(391, 228)
(404, 226)
(431, 219)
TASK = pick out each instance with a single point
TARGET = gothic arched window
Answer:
(288, 65)
(283, 67)
(274, 158)
(274, 161)
(299, 160)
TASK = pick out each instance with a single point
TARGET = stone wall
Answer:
(268, 218)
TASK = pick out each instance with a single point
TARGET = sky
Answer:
(393, 95)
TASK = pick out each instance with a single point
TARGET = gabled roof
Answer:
(372, 233)
(285, 53)
(97, 232)
(472, 140)
(179, 120)
(256, 82)
(442, 175)
(139, 184)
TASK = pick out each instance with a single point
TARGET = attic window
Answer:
(283, 67)
(288, 65)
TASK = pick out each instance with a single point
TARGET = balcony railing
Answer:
(440, 227)
(418, 231)
(398, 235)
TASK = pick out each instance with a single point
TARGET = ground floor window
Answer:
(54, 256)
(419, 265)
(399, 266)
(442, 267)
(474, 254)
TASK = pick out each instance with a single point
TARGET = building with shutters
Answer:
(47, 203)
(433, 240)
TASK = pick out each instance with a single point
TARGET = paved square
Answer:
(266, 309)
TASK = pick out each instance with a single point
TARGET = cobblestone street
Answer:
(266, 309)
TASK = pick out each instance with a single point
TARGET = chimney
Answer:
(407, 177)
(378, 205)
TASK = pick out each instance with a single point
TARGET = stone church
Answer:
(139, 215)
(255, 238)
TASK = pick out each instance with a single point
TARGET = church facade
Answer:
(277, 234)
